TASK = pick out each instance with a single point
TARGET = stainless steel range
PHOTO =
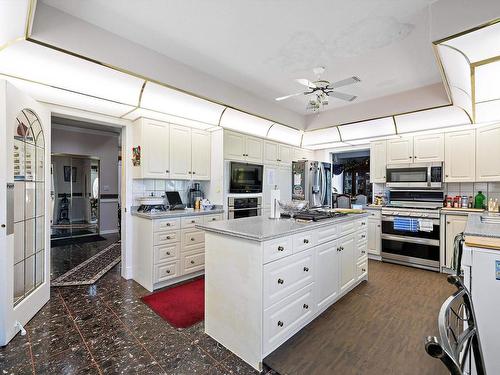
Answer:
(416, 244)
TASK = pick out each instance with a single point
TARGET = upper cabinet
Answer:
(488, 153)
(400, 150)
(378, 155)
(200, 154)
(153, 139)
(460, 156)
(243, 147)
(171, 151)
(428, 148)
(271, 153)
(285, 155)
(418, 149)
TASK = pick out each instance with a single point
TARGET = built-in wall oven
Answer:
(417, 245)
(415, 175)
(239, 207)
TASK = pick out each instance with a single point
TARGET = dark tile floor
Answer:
(64, 258)
(106, 329)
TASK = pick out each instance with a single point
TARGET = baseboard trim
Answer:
(374, 257)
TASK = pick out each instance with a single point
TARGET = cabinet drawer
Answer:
(346, 228)
(161, 238)
(360, 224)
(302, 241)
(277, 249)
(327, 234)
(191, 221)
(287, 317)
(361, 236)
(193, 261)
(192, 237)
(362, 269)
(361, 251)
(166, 224)
(210, 218)
(165, 253)
(375, 214)
(286, 276)
(166, 271)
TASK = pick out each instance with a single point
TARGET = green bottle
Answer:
(479, 200)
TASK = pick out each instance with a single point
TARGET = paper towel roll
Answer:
(275, 208)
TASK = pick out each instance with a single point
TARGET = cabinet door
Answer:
(427, 148)
(180, 152)
(347, 263)
(454, 225)
(378, 157)
(460, 156)
(285, 155)
(270, 153)
(374, 236)
(488, 153)
(234, 146)
(155, 149)
(327, 274)
(200, 154)
(400, 151)
(299, 154)
(254, 149)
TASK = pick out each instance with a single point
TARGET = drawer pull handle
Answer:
(168, 237)
(362, 269)
(213, 219)
(193, 221)
(281, 248)
(280, 323)
(192, 262)
(193, 239)
(281, 281)
(363, 223)
(305, 306)
(306, 240)
(168, 252)
(362, 251)
(168, 271)
(363, 236)
(306, 269)
(168, 224)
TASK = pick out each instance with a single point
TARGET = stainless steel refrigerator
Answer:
(312, 181)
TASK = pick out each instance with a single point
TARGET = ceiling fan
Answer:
(322, 90)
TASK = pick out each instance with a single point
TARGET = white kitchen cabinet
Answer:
(299, 154)
(285, 155)
(153, 139)
(347, 262)
(243, 147)
(455, 224)
(428, 148)
(460, 156)
(180, 152)
(374, 235)
(200, 154)
(400, 150)
(327, 274)
(488, 153)
(378, 161)
(271, 153)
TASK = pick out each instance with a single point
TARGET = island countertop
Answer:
(483, 225)
(261, 228)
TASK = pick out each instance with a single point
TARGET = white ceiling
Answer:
(261, 45)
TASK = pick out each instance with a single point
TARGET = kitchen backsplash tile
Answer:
(157, 188)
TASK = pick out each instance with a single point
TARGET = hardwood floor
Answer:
(378, 328)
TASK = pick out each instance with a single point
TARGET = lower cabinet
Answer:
(347, 263)
(327, 277)
(454, 224)
(166, 251)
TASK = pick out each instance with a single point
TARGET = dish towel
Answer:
(425, 225)
(406, 224)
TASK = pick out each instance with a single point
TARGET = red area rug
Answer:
(182, 306)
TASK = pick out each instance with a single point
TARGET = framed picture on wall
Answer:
(67, 173)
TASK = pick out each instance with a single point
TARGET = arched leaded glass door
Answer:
(29, 205)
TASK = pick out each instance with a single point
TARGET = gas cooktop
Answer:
(315, 215)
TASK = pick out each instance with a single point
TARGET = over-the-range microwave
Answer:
(415, 175)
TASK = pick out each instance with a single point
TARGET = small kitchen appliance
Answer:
(151, 205)
(194, 194)
(415, 175)
(245, 178)
(174, 200)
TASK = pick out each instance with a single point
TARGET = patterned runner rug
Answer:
(92, 269)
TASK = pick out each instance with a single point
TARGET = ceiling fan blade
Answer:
(306, 82)
(341, 95)
(344, 82)
(288, 96)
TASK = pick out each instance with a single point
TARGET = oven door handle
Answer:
(244, 209)
(422, 241)
(391, 218)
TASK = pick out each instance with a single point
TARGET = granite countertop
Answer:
(460, 211)
(483, 225)
(177, 213)
(373, 207)
(261, 228)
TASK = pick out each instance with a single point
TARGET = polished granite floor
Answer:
(106, 329)
(64, 258)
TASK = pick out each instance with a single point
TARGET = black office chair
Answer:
(458, 334)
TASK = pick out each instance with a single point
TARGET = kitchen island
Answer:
(265, 279)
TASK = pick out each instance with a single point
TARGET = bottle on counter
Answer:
(449, 202)
(465, 201)
(479, 200)
(471, 202)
